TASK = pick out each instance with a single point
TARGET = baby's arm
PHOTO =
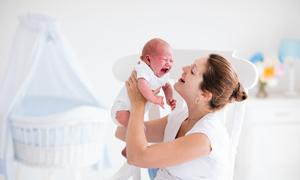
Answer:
(148, 93)
(168, 91)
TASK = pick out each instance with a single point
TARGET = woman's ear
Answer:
(206, 95)
(203, 96)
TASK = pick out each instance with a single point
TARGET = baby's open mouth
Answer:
(165, 70)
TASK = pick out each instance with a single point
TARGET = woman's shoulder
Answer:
(210, 120)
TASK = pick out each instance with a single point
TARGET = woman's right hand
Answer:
(135, 96)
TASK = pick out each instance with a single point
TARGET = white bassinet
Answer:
(57, 132)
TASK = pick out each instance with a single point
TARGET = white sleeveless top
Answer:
(210, 167)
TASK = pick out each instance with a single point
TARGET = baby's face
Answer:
(161, 63)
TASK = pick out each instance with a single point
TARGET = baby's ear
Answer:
(147, 59)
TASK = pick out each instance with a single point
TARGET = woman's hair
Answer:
(221, 80)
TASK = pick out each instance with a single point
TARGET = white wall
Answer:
(101, 31)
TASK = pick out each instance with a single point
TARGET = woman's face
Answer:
(188, 85)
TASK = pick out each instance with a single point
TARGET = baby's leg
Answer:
(123, 117)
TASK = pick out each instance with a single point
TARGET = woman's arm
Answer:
(165, 154)
(171, 153)
(154, 130)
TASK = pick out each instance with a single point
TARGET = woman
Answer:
(192, 143)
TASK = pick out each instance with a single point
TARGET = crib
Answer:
(50, 116)
(57, 132)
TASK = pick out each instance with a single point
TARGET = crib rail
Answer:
(72, 144)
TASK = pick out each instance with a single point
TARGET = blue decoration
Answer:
(289, 48)
(257, 57)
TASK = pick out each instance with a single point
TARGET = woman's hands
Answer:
(135, 96)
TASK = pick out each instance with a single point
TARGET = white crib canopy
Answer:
(40, 65)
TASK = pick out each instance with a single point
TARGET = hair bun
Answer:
(239, 93)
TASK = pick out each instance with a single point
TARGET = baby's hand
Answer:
(160, 101)
(172, 103)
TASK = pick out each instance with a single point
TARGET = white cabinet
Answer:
(269, 146)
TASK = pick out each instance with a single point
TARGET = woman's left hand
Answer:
(135, 96)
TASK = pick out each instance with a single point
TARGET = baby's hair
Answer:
(221, 80)
(153, 46)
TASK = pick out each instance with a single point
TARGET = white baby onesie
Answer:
(143, 71)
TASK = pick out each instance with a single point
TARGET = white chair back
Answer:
(232, 114)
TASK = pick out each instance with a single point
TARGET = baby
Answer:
(152, 74)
